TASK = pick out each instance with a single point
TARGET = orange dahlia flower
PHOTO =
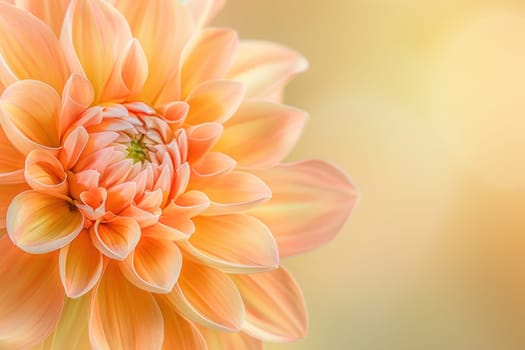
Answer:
(143, 204)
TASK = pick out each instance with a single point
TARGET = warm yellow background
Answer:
(423, 103)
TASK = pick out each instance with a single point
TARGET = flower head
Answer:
(143, 203)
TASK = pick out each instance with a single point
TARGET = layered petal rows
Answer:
(143, 199)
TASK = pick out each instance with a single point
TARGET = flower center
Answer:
(137, 151)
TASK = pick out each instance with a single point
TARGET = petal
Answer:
(31, 297)
(233, 243)
(44, 173)
(207, 296)
(113, 325)
(129, 74)
(9, 191)
(221, 340)
(74, 144)
(80, 266)
(214, 101)
(116, 238)
(233, 192)
(11, 161)
(77, 96)
(29, 115)
(204, 10)
(93, 36)
(179, 333)
(311, 202)
(50, 11)
(265, 67)
(209, 58)
(261, 133)
(275, 308)
(54, 222)
(71, 331)
(201, 139)
(154, 265)
(154, 23)
(29, 49)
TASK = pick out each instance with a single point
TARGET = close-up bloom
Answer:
(144, 202)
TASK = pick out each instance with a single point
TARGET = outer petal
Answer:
(71, 331)
(93, 36)
(31, 296)
(261, 133)
(214, 101)
(116, 238)
(265, 67)
(29, 115)
(275, 308)
(163, 27)
(154, 265)
(50, 11)
(179, 333)
(221, 340)
(311, 202)
(113, 325)
(80, 266)
(129, 74)
(44, 173)
(209, 57)
(233, 192)
(54, 222)
(207, 296)
(77, 96)
(9, 192)
(204, 10)
(11, 162)
(233, 243)
(29, 49)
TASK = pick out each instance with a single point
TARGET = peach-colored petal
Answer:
(9, 191)
(233, 243)
(216, 340)
(204, 10)
(50, 11)
(117, 237)
(29, 115)
(214, 101)
(179, 333)
(74, 144)
(311, 202)
(93, 36)
(31, 296)
(201, 139)
(124, 316)
(207, 296)
(80, 265)
(45, 173)
(29, 49)
(211, 165)
(261, 133)
(175, 112)
(163, 27)
(209, 57)
(11, 162)
(78, 94)
(233, 192)
(129, 74)
(54, 222)
(275, 308)
(71, 331)
(154, 265)
(265, 67)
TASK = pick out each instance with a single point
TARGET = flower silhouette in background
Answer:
(143, 202)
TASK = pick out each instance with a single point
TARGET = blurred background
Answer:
(423, 103)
